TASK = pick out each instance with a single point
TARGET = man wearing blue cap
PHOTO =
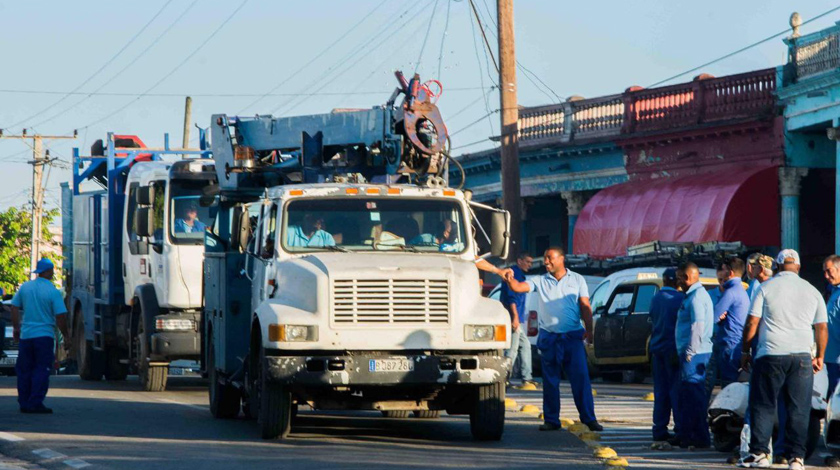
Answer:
(43, 309)
(665, 361)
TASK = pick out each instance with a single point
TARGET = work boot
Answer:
(594, 426)
(549, 427)
(40, 410)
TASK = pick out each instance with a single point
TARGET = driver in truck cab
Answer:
(189, 222)
(310, 233)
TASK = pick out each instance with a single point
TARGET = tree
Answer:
(16, 245)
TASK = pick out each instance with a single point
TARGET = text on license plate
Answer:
(391, 365)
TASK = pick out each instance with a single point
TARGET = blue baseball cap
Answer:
(44, 264)
(669, 273)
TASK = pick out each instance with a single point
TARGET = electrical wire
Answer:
(426, 38)
(106, 64)
(443, 39)
(471, 104)
(473, 123)
(726, 56)
(481, 75)
(216, 95)
(470, 144)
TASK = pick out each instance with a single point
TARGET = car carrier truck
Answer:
(138, 218)
(340, 272)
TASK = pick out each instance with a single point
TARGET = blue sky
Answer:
(577, 48)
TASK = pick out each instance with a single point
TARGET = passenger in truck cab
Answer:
(189, 222)
(310, 233)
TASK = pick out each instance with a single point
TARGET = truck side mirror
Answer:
(241, 233)
(145, 195)
(499, 234)
(145, 219)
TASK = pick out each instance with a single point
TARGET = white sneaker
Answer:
(755, 461)
(797, 464)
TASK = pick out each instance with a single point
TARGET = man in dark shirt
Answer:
(514, 302)
(663, 348)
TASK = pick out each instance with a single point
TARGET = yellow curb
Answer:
(589, 436)
(648, 397)
(529, 409)
(616, 462)
(526, 387)
(594, 393)
(510, 404)
(564, 422)
(605, 453)
(578, 428)
(542, 416)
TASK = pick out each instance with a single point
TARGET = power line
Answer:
(470, 144)
(106, 64)
(311, 61)
(426, 38)
(176, 68)
(480, 74)
(122, 70)
(443, 39)
(724, 57)
(473, 123)
(213, 95)
(470, 105)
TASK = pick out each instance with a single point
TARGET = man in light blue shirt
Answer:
(43, 308)
(695, 321)
(309, 234)
(565, 322)
(788, 314)
(190, 223)
(831, 271)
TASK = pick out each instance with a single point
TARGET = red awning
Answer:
(739, 204)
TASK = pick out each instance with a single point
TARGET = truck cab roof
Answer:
(342, 189)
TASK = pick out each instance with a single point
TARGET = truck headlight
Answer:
(174, 324)
(292, 333)
(485, 333)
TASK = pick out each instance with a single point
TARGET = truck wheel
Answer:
(427, 414)
(224, 399)
(275, 414)
(487, 420)
(397, 414)
(152, 378)
(814, 425)
(88, 360)
(114, 369)
(726, 441)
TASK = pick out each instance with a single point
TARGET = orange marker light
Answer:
(394, 190)
(296, 192)
(276, 333)
(352, 191)
(373, 191)
(501, 333)
(448, 192)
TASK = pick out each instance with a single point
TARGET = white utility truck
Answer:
(334, 282)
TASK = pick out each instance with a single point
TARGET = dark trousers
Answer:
(694, 429)
(724, 362)
(793, 378)
(565, 352)
(666, 380)
(34, 363)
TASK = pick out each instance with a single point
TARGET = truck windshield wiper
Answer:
(337, 248)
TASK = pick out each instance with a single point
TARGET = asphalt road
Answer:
(112, 425)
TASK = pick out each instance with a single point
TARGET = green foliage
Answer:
(16, 245)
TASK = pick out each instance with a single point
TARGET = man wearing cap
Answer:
(43, 309)
(694, 346)
(759, 270)
(565, 321)
(783, 312)
(190, 223)
(831, 271)
(730, 315)
(663, 350)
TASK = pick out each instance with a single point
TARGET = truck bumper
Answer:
(171, 345)
(330, 371)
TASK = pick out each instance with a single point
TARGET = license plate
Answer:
(391, 365)
(8, 361)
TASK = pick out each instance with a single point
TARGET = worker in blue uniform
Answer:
(665, 361)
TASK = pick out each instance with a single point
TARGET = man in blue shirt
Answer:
(694, 346)
(730, 314)
(514, 302)
(43, 308)
(565, 319)
(190, 223)
(310, 234)
(663, 349)
(831, 271)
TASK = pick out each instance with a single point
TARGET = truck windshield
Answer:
(188, 219)
(373, 224)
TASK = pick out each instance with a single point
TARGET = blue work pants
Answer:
(693, 407)
(520, 347)
(33, 367)
(791, 376)
(565, 352)
(666, 380)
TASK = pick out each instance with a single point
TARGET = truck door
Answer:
(608, 329)
(135, 249)
(637, 323)
(262, 257)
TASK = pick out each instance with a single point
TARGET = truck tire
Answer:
(275, 414)
(427, 414)
(396, 414)
(224, 399)
(487, 419)
(152, 378)
(88, 360)
(114, 369)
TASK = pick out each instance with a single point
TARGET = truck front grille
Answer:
(369, 301)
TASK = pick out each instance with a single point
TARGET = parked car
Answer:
(622, 328)
(10, 353)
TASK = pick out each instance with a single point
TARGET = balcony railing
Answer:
(657, 109)
(814, 54)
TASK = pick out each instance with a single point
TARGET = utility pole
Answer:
(511, 200)
(38, 161)
(187, 119)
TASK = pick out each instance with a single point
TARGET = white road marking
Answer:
(188, 405)
(10, 437)
(76, 463)
(48, 454)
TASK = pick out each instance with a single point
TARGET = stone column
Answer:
(575, 200)
(790, 179)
